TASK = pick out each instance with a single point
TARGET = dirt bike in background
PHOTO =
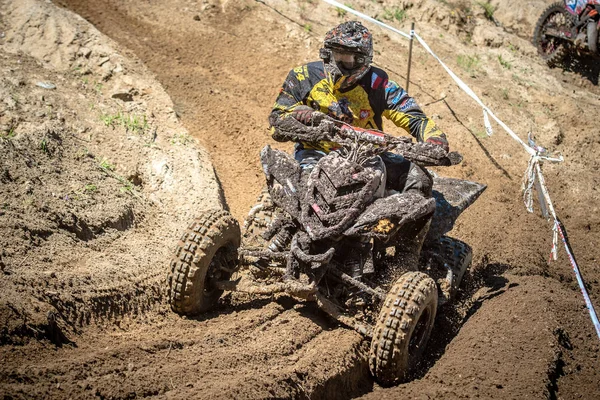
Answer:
(566, 26)
(334, 235)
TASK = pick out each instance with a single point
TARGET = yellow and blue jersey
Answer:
(362, 105)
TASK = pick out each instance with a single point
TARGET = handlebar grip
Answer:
(455, 157)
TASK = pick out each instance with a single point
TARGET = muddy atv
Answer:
(336, 236)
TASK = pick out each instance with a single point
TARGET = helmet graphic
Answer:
(348, 51)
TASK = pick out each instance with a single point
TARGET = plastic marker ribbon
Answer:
(534, 177)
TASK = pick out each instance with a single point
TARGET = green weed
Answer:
(127, 188)
(396, 13)
(108, 119)
(131, 122)
(6, 135)
(90, 187)
(469, 63)
(44, 146)
(481, 134)
(82, 153)
(181, 139)
(488, 9)
(308, 28)
(108, 169)
(505, 63)
(106, 165)
(28, 201)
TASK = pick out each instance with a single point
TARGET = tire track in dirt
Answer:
(244, 353)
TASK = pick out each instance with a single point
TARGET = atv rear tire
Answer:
(403, 328)
(552, 50)
(258, 220)
(207, 252)
(460, 255)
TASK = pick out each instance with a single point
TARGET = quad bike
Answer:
(566, 26)
(336, 236)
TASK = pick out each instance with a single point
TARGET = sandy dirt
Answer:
(100, 175)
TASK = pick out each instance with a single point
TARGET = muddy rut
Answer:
(518, 328)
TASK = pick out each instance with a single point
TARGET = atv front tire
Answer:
(206, 253)
(403, 328)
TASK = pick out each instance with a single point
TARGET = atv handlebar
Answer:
(425, 154)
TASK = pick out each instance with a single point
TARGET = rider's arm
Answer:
(404, 111)
(290, 100)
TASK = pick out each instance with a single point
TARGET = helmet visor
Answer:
(347, 60)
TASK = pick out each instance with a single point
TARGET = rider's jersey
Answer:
(362, 105)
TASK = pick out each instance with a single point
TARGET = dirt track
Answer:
(519, 328)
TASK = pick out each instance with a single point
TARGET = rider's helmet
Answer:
(348, 51)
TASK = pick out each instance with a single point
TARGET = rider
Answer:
(346, 87)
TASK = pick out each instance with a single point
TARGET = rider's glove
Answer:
(439, 141)
(307, 115)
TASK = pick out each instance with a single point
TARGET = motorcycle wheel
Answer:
(207, 252)
(403, 328)
(258, 220)
(551, 49)
(592, 36)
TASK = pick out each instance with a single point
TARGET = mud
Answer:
(93, 200)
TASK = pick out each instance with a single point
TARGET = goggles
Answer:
(349, 60)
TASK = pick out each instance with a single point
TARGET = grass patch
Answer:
(90, 188)
(505, 63)
(469, 63)
(396, 13)
(44, 146)
(7, 135)
(131, 122)
(182, 139)
(128, 186)
(106, 165)
(341, 12)
(488, 9)
(480, 134)
(28, 201)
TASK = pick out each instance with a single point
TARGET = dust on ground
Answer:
(101, 174)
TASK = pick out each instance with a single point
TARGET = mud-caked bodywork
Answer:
(334, 233)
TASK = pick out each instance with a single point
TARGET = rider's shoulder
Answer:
(376, 78)
(379, 72)
(310, 66)
(313, 69)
